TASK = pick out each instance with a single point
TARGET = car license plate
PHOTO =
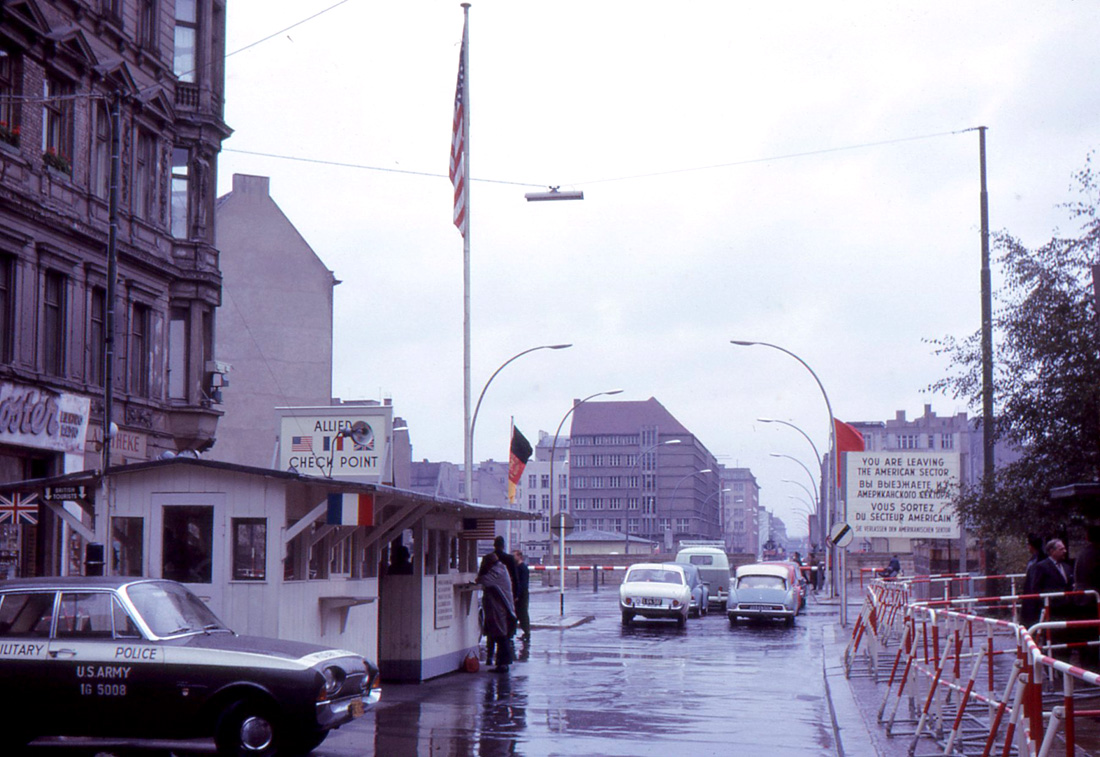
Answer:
(356, 708)
(651, 601)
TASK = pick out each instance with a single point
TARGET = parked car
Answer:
(655, 590)
(145, 658)
(700, 593)
(763, 590)
(797, 579)
(714, 565)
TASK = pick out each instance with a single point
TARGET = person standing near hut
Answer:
(499, 610)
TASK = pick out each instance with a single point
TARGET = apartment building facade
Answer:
(89, 90)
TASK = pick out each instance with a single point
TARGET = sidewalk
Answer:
(854, 702)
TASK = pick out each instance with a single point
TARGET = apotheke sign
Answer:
(903, 494)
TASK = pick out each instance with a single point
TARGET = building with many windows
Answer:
(91, 90)
(635, 469)
(741, 510)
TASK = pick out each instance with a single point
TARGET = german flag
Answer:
(518, 456)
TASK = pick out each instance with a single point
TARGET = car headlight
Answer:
(334, 679)
(628, 601)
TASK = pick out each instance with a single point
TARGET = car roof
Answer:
(656, 565)
(43, 583)
(764, 569)
(701, 551)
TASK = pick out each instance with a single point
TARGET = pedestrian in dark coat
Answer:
(523, 594)
(509, 562)
(499, 611)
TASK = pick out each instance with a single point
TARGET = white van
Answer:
(714, 567)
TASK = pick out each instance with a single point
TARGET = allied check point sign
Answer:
(904, 494)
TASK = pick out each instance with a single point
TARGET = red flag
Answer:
(458, 143)
(848, 439)
(518, 456)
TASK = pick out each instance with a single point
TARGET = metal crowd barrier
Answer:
(963, 677)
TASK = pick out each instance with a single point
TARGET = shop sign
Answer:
(43, 419)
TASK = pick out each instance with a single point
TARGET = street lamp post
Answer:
(817, 454)
(802, 465)
(721, 512)
(473, 420)
(830, 489)
(561, 512)
(636, 463)
(672, 499)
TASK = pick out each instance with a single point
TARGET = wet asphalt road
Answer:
(601, 689)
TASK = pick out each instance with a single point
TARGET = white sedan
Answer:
(655, 590)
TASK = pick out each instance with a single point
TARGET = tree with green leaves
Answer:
(1046, 376)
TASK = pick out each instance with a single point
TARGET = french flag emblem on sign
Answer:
(351, 509)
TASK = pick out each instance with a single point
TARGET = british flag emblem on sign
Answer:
(19, 508)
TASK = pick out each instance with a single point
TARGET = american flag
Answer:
(301, 444)
(458, 143)
(16, 507)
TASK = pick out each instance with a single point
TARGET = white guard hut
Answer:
(283, 554)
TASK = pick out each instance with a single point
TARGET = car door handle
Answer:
(55, 653)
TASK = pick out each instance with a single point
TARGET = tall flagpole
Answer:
(464, 84)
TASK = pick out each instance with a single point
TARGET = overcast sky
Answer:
(795, 173)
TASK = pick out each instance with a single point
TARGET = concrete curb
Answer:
(561, 622)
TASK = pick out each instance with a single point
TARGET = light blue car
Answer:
(763, 591)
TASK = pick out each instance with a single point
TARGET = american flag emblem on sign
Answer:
(19, 508)
(301, 444)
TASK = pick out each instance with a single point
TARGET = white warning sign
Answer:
(903, 494)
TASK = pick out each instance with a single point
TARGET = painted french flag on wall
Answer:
(351, 509)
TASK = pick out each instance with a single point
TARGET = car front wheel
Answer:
(249, 727)
(627, 617)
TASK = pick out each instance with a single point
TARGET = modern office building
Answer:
(635, 469)
(86, 303)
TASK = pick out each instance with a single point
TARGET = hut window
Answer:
(188, 543)
(127, 554)
(249, 549)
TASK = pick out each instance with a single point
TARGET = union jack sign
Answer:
(16, 507)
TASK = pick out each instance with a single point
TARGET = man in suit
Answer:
(1054, 574)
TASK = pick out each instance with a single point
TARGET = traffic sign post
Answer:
(841, 535)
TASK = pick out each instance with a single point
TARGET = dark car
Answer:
(145, 658)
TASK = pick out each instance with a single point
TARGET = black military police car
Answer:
(145, 658)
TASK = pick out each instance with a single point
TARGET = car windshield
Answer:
(170, 609)
(702, 559)
(655, 575)
(761, 582)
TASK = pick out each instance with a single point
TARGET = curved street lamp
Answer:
(802, 465)
(676, 488)
(637, 461)
(721, 511)
(473, 420)
(561, 513)
(830, 489)
(817, 454)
